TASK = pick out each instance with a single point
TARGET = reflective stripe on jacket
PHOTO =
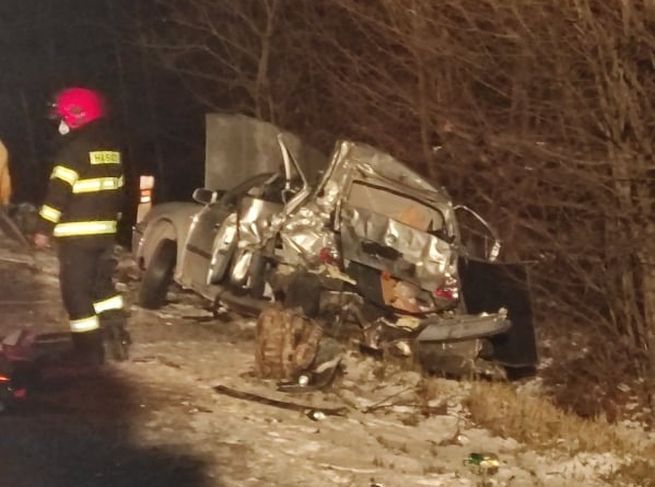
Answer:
(85, 192)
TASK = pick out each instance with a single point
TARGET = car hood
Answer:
(238, 147)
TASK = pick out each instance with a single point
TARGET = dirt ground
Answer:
(157, 420)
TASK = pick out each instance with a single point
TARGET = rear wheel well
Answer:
(156, 232)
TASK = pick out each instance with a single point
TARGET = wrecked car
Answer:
(354, 237)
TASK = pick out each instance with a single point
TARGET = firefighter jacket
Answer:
(85, 192)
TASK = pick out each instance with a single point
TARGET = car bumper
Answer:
(463, 327)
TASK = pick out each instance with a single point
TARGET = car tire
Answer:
(158, 275)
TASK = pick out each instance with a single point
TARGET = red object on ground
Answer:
(18, 346)
(20, 393)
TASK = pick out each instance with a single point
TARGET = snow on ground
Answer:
(157, 420)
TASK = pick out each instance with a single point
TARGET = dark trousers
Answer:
(85, 277)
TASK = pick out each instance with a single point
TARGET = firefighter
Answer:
(81, 210)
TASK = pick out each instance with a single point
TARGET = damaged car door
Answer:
(238, 248)
(214, 235)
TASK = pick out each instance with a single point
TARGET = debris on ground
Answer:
(485, 463)
(159, 421)
(287, 343)
(295, 350)
(312, 412)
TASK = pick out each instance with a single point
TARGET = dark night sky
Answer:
(46, 45)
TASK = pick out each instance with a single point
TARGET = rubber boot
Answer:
(88, 348)
(116, 337)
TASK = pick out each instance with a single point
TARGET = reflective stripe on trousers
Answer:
(85, 276)
(85, 324)
(115, 302)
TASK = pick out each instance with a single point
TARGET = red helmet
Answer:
(79, 106)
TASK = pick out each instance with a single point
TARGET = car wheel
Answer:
(158, 275)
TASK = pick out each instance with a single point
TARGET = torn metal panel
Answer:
(404, 252)
(305, 233)
(223, 246)
(387, 211)
(239, 147)
(350, 155)
(249, 228)
(240, 268)
(354, 161)
(255, 219)
(398, 207)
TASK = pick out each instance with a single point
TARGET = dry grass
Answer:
(537, 422)
(638, 472)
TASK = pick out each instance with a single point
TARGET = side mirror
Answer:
(204, 196)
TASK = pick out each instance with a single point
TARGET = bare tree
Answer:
(222, 48)
(539, 113)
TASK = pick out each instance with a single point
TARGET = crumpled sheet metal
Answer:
(425, 258)
(359, 162)
(306, 232)
(349, 155)
(252, 225)
(255, 220)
